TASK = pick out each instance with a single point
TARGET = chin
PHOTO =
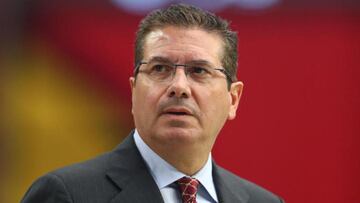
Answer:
(178, 135)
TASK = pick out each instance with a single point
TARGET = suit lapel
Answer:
(129, 172)
(227, 191)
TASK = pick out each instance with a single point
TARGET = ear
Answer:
(235, 94)
(132, 86)
(132, 83)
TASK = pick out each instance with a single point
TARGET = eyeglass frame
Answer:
(223, 70)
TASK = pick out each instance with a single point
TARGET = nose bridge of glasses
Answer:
(180, 75)
(182, 66)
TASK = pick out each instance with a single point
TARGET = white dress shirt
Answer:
(165, 176)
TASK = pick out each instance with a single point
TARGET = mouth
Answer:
(177, 111)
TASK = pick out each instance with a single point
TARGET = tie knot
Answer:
(188, 188)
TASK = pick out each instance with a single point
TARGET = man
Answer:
(184, 88)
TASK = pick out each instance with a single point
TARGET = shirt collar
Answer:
(165, 174)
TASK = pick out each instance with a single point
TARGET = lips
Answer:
(178, 111)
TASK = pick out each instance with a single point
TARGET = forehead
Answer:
(182, 45)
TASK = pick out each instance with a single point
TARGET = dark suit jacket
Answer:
(122, 176)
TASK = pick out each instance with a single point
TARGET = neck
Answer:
(188, 154)
(181, 159)
(187, 165)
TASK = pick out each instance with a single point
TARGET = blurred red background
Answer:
(297, 131)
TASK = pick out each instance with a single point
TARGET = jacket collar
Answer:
(129, 172)
(227, 188)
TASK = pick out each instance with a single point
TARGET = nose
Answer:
(179, 86)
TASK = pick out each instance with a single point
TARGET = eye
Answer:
(199, 71)
(160, 69)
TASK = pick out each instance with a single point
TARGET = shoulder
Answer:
(82, 178)
(85, 169)
(48, 188)
(242, 187)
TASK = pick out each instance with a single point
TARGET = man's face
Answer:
(181, 111)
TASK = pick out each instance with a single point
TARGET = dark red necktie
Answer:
(188, 188)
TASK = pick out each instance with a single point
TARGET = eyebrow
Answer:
(167, 60)
(159, 59)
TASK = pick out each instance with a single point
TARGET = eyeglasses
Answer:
(165, 72)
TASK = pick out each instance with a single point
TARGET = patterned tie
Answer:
(188, 188)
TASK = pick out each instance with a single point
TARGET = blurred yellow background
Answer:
(51, 117)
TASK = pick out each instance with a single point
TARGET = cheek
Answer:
(214, 107)
(146, 98)
(214, 104)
